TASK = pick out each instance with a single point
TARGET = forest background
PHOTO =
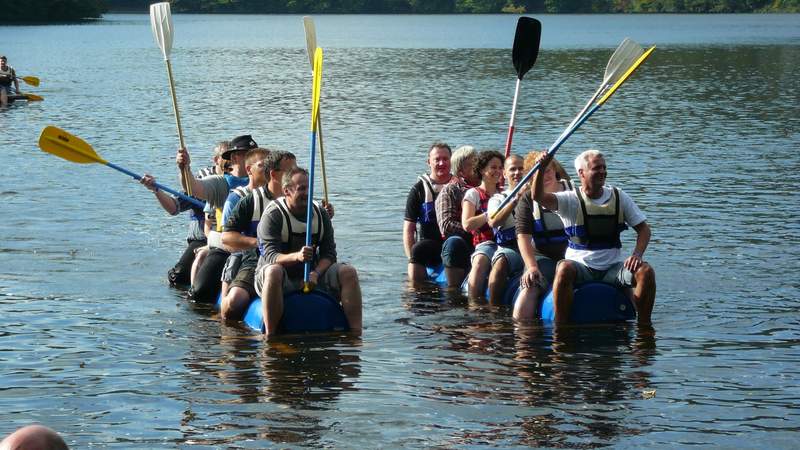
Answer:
(45, 11)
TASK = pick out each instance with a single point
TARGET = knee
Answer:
(481, 262)
(274, 273)
(646, 274)
(348, 275)
(565, 271)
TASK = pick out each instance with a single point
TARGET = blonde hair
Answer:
(532, 157)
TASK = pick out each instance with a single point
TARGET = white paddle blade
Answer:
(161, 22)
(624, 56)
(311, 38)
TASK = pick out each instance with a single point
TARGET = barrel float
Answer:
(316, 311)
(437, 275)
(593, 302)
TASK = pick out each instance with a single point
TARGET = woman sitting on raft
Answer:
(540, 237)
(475, 219)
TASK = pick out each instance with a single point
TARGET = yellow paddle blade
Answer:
(317, 86)
(58, 142)
(33, 81)
(627, 74)
(33, 97)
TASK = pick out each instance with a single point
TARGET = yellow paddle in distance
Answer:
(311, 48)
(33, 97)
(315, 93)
(61, 143)
(33, 81)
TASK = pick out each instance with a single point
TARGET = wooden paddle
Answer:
(574, 126)
(161, 23)
(311, 47)
(523, 54)
(58, 142)
(315, 93)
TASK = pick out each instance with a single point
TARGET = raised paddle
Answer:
(58, 142)
(315, 91)
(574, 126)
(623, 57)
(33, 81)
(524, 53)
(311, 47)
(161, 22)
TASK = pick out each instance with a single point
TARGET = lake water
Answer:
(705, 137)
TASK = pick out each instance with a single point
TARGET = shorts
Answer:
(455, 252)
(231, 268)
(328, 282)
(245, 279)
(547, 267)
(485, 248)
(514, 259)
(616, 275)
(427, 252)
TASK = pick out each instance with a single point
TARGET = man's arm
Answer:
(169, 203)
(237, 224)
(409, 236)
(642, 240)
(16, 81)
(183, 160)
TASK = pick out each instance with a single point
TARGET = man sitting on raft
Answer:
(594, 216)
(281, 241)
(426, 250)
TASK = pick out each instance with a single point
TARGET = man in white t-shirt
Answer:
(594, 217)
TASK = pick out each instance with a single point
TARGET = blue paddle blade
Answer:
(526, 45)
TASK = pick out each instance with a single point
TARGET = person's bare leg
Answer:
(476, 286)
(498, 279)
(563, 290)
(272, 298)
(455, 276)
(199, 257)
(644, 293)
(234, 304)
(417, 273)
(351, 297)
(525, 307)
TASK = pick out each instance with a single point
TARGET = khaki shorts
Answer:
(616, 275)
(245, 279)
(328, 282)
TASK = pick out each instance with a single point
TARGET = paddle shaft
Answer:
(322, 158)
(310, 211)
(159, 186)
(553, 149)
(513, 118)
(186, 175)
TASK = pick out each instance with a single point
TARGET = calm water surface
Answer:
(705, 137)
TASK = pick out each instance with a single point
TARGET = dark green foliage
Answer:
(40, 11)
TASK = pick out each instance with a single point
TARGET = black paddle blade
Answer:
(526, 44)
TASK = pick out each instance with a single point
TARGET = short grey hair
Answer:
(582, 160)
(287, 177)
(460, 155)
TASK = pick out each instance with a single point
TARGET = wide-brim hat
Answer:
(239, 144)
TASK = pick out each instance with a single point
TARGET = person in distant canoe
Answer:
(594, 216)
(423, 247)
(240, 234)
(281, 239)
(457, 244)
(506, 261)
(179, 274)
(7, 78)
(214, 189)
(541, 238)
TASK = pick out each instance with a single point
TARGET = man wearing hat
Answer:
(214, 189)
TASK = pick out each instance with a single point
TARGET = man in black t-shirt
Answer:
(423, 245)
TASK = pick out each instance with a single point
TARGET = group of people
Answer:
(8, 78)
(249, 239)
(552, 233)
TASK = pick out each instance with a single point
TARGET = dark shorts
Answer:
(427, 252)
(245, 279)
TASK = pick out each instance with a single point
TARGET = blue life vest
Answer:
(427, 212)
(597, 227)
(548, 229)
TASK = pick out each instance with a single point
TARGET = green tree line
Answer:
(70, 10)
